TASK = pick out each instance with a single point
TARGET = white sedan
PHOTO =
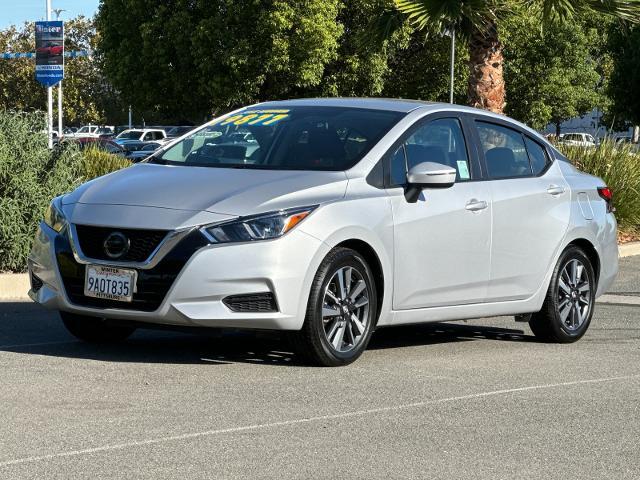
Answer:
(346, 215)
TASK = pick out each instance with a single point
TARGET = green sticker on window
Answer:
(463, 169)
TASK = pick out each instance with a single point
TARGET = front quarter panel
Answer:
(364, 215)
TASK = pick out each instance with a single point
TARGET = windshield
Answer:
(130, 134)
(297, 138)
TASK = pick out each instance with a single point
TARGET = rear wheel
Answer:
(568, 306)
(341, 311)
(94, 330)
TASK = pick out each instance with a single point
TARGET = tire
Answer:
(568, 307)
(330, 336)
(94, 330)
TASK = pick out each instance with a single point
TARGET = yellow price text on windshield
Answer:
(257, 118)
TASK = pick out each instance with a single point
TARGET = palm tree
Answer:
(477, 21)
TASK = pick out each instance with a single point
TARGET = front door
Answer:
(442, 241)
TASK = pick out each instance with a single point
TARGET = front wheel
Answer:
(94, 330)
(341, 311)
(568, 306)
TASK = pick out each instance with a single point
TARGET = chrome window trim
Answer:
(170, 240)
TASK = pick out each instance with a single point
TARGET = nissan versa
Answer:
(328, 218)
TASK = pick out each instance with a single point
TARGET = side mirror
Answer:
(428, 175)
(432, 175)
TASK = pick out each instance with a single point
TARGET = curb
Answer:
(629, 249)
(14, 286)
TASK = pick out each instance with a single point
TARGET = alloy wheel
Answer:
(574, 295)
(345, 309)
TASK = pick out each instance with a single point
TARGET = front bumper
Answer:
(285, 267)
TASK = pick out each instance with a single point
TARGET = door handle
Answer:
(555, 190)
(476, 205)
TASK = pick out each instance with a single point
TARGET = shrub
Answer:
(96, 163)
(31, 175)
(619, 167)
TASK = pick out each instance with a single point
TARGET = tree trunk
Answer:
(486, 82)
(558, 127)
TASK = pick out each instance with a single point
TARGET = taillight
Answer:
(607, 195)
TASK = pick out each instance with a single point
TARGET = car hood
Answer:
(225, 191)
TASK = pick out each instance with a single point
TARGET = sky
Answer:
(19, 11)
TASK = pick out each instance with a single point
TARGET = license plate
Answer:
(110, 283)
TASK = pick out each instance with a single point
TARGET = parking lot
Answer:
(477, 399)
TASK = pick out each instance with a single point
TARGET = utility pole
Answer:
(49, 94)
(130, 117)
(453, 62)
(58, 11)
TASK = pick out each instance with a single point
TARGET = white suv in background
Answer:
(578, 140)
(142, 135)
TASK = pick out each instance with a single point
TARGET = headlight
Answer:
(54, 217)
(260, 227)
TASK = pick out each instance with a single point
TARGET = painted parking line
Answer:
(321, 418)
(625, 300)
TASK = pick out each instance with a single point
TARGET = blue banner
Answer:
(49, 52)
(71, 54)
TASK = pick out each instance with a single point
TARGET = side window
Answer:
(440, 141)
(398, 170)
(537, 156)
(147, 136)
(504, 151)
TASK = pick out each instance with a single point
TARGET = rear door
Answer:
(531, 205)
(442, 240)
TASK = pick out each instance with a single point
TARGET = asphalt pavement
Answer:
(465, 400)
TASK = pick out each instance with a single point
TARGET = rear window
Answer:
(295, 138)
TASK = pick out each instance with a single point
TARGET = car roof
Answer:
(390, 104)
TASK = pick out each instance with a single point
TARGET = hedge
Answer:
(31, 175)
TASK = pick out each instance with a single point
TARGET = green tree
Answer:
(553, 74)
(624, 85)
(420, 69)
(194, 58)
(88, 98)
(478, 21)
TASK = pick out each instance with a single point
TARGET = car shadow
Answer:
(28, 329)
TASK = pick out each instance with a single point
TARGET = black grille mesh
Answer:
(142, 242)
(251, 303)
(152, 284)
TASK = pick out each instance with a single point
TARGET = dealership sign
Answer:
(49, 52)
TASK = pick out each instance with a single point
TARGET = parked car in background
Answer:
(352, 214)
(142, 135)
(91, 131)
(143, 152)
(578, 140)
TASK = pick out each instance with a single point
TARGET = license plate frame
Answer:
(109, 274)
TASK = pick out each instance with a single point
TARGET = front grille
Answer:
(251, 303)
(152, 284)
(36, 282)
(142, 242)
